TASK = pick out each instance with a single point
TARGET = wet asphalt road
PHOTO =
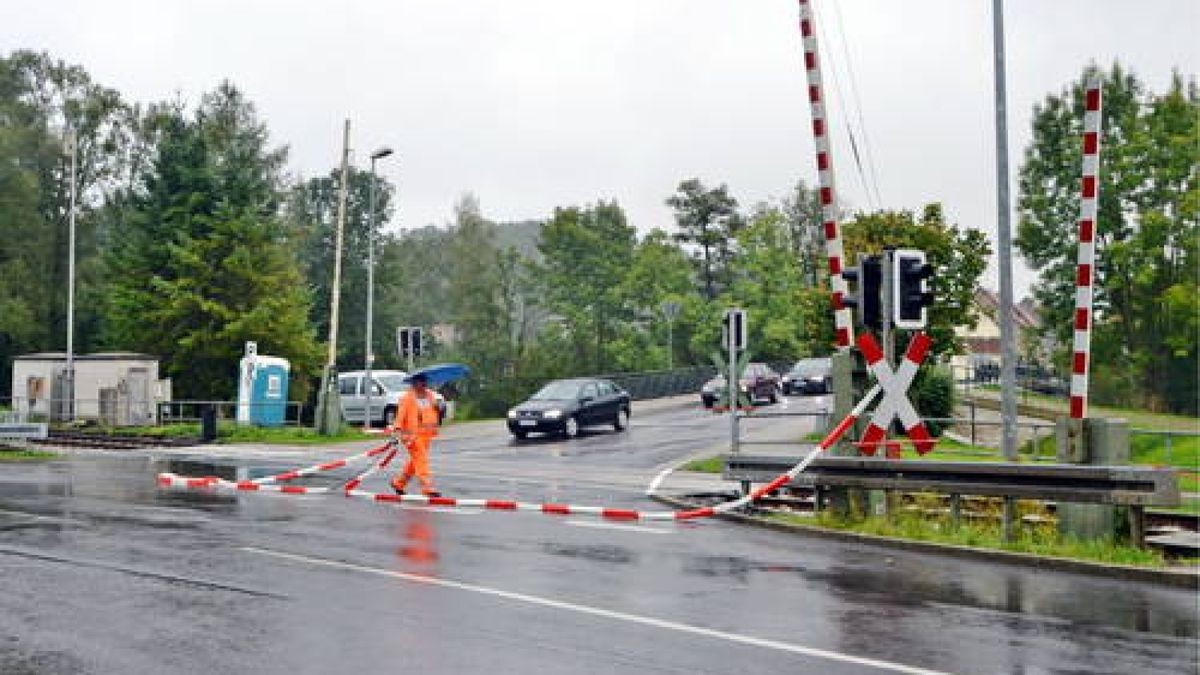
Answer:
(102, 572)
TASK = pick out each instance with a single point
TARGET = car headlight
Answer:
(512, 413)
(552, 414)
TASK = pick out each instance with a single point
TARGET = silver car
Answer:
(389, 386)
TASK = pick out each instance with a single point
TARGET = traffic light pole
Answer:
(888, 306)
(732, 385)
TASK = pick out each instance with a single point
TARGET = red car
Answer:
(758, 382)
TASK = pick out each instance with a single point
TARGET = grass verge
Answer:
(8, 454)
(714, 464)
(237, 433)
(1042, 539)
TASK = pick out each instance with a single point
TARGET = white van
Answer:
(389, 386)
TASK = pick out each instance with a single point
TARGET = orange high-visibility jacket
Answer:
(418, 415)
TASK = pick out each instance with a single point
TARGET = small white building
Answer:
(114, 388)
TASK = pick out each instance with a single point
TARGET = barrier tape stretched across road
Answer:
(350, 487)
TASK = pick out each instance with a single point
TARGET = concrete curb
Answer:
(1177, 578)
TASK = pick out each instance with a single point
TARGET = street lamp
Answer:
(72, 149)
(369, 355)
(670, 310)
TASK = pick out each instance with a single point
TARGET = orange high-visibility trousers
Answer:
(418, 465)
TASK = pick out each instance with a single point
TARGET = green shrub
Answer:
(933, 394)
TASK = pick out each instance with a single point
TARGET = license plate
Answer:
(527, 423)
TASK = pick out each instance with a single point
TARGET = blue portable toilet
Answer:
(262, 388)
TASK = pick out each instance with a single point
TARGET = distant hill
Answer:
(521, 235)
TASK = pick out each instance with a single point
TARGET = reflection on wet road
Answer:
(105, 573)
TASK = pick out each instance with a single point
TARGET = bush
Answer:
(933, 394)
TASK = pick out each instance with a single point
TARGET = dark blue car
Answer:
(566, 406)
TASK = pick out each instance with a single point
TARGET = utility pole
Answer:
(1008, 347)
(73, 148)
(329, 407)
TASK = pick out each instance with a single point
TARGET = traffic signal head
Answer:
(735, 320)
(910, 290)
(867, 298)
(408, 340)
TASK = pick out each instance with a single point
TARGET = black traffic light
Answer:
(867, 297)
(738, 318)
(910, 291)
(408, 340)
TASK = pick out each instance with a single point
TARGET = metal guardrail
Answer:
(1130, 486)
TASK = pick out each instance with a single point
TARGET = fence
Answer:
(660, 383)
(182, 412)
(111, 409)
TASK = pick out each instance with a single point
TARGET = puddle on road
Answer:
(735, 567)
(594, 552)
(1069, 599)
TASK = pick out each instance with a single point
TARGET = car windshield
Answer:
(557, 391)
(814, 367)
(392, 382)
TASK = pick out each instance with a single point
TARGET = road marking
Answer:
(617, 526)
(38, 516)
(605, 613)
(144, 573)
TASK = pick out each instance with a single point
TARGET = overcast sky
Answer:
(532, 104)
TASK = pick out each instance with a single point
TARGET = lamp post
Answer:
(73, 150)
(670, 310)
(370, 354)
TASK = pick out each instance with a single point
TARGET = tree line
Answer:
(192, 240)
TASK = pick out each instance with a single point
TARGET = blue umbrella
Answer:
(441, 373)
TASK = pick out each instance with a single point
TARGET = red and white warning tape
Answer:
(1085, 272)
(844, 336)
(350, 488)
(319, 468)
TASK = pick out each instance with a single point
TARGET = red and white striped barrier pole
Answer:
(1085, 273)
(895, 402)
(350, 488)
(844, 329)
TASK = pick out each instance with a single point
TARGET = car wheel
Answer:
(389, 416)
(571, 427)
(621, 421)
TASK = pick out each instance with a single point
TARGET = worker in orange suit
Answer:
(417, 424)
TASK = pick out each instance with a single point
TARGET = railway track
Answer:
(101, 441)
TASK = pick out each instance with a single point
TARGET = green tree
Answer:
(959, 257)
(202, 263)
(1144, 340)
(708, 220)
(311, 213)
(803, 211)
(40, 98)
(768, 283)
(659, 272)
(585, 255)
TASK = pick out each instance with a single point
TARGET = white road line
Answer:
(38, 516)
(617, 526)
(605, 613)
